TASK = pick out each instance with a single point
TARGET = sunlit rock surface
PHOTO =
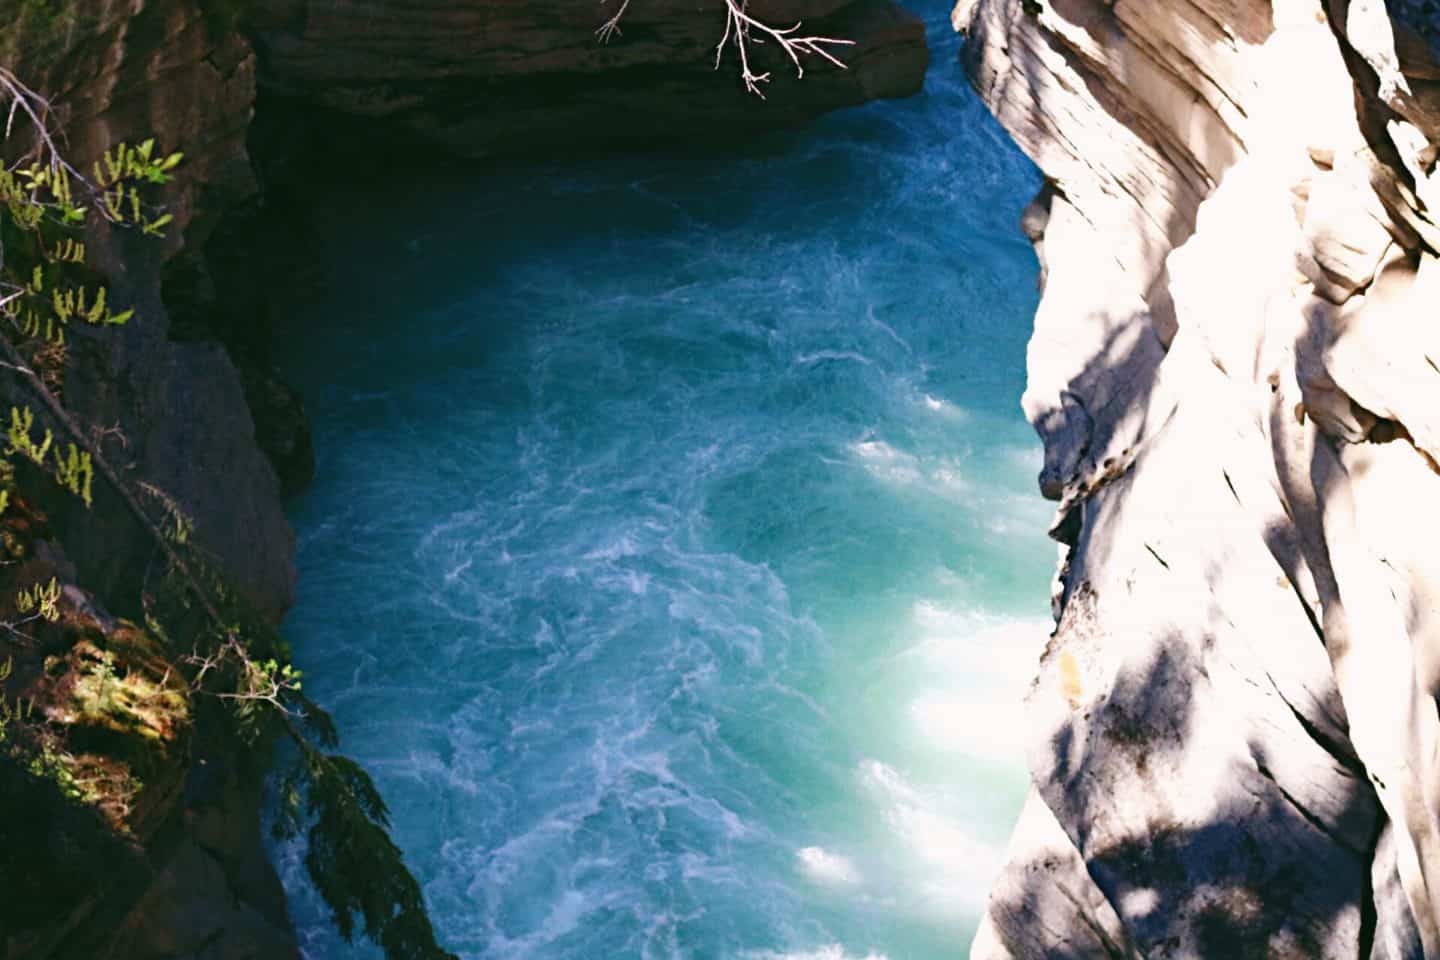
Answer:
(1234, 372)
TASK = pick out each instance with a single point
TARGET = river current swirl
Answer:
(675, 561)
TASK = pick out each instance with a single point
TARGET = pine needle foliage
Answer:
(347, 839)
(324, 796)
(234, 655)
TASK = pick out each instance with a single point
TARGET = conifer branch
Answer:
(351, 859)
(353, 862)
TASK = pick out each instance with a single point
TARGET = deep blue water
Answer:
(675, 561)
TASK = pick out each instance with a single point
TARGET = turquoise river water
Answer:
(675, 561)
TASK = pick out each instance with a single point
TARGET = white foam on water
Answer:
(889, 330)
(828, 952)
(828, 868)
(820, 356)
(591, 587)
(888, 463)
(454, 574)
(940, 476)
(951, 867)
(979, 667)
(623, 546)
(566, 915)
(945, 411)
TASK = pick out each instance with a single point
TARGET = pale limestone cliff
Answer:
(1235, 372)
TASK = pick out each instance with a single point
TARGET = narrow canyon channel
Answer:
(675, 560)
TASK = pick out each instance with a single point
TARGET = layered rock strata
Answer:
(1235, 372)
(517, 77)
(184, 400)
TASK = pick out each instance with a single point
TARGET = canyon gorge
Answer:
(683, 423)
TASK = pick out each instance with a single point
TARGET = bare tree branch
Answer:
(24, 101)
(739, 24)
(741, 29)
(37, 109)
(611, 28)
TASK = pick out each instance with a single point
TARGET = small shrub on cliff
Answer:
(41, 599)
(233, 655)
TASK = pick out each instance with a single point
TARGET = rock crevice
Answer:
(185, 399)
(1234, 747)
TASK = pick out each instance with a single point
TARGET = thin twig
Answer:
(38, 110)
(58, 412)
(611, 28)
(738, 29)
(739, 24)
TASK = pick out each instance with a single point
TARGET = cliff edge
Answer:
(135, 831)
(1235, 371)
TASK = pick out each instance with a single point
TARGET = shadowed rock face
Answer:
(122, 71)
(480, 78)
(1422, 16)
(485, 78)
(184, 397)
(1234, 373)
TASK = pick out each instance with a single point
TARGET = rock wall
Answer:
(1235, 372)
(439, 73)
(177, 867)
(517, 77)
(184, 398)
(173, 413)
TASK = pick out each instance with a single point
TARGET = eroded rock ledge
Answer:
(521, 77)
(1235, 372)
(185, 398)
